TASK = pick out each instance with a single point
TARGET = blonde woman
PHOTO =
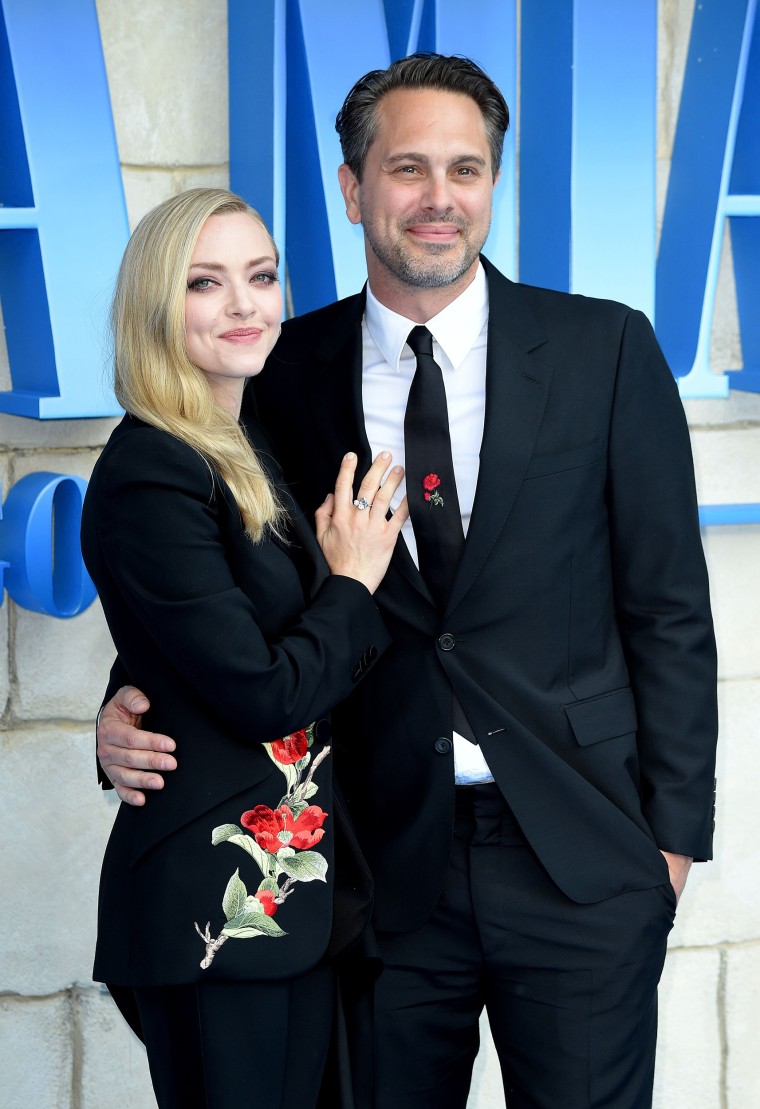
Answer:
(216, 902)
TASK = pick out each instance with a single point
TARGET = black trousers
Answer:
(570, 990)
(215, 1044)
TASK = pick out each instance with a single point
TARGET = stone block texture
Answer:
(689, 1070)
(37, 1052)
(743, 1018)
(167, 72)
(55, 822)
(113, 1061)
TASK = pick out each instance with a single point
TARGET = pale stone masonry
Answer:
(62, 1043)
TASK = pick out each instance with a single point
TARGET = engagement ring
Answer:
(361, 503)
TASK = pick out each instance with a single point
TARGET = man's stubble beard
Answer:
(434, 270)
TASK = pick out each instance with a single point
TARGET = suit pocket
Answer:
(544, 464)
(604, 717)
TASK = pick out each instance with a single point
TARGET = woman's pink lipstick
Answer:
(242, 335)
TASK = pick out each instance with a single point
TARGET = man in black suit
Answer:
(530, 766)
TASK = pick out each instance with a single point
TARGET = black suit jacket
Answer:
(577, 636)
(224, 635)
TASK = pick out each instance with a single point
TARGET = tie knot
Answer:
(421, 341)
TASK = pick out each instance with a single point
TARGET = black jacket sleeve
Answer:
(158, 531)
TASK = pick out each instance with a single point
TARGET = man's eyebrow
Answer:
(460, 159)
(415, 156)
(407, 156)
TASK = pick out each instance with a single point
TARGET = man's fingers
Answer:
(130, 796)
(111, 734)
(124, 778)
(678, 869)
(132, 699)
(143, 758)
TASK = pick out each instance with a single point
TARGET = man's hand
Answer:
(126, 752)
(678, 866)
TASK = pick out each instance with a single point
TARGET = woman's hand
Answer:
(358, 541)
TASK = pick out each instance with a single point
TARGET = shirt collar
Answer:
(455, 329)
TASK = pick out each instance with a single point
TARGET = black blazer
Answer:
(234, 653)
(577, 635)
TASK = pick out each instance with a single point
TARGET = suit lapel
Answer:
(336, 388)
(517, 387)
(518, 378)
(298, 525)
(336, 398)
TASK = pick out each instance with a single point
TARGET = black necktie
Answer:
(430, 484)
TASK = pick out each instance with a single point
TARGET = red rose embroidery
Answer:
(266, 897)
(293, 824)
(274, 829)
(431, 492)
(290, 748)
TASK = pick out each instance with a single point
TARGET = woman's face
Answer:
(233, 304)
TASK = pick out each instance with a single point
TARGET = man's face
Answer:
(425, 198)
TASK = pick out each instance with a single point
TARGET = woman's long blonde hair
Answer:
(153, 377)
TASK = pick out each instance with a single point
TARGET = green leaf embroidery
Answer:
(234, 896)
(297, 807)
(247, 916)
(292, 770)
(306, 866)
(224, 832)
(249, 924)
(249, 844)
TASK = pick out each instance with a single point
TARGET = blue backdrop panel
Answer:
(587, 147)
(63, 223)
(721, 67)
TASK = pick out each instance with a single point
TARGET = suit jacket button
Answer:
(446, 641)
(442, 745)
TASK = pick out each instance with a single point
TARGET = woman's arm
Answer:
(152, 542)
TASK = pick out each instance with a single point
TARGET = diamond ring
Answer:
(361, 503)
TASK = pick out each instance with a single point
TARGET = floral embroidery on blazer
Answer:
(280, 841)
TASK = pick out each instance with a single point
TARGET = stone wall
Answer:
(62, 1044)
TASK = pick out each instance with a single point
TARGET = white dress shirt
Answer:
(388, 366)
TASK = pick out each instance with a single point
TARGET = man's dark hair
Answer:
(356, 122)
